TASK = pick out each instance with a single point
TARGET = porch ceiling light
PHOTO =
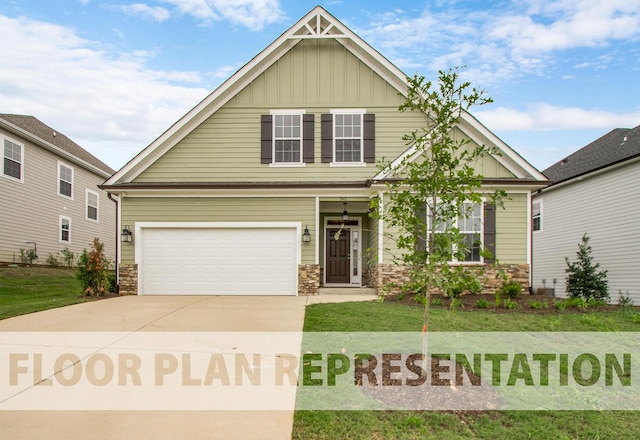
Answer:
(306, 235)
(126, 235)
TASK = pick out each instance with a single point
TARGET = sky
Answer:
(113, 75)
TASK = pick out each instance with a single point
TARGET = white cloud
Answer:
(155, 13)
(544, 117)
(253, 14)
(112, 106)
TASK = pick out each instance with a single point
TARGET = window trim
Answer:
(481, 233)
(60, 240)
(539, 216)
(22, 150)
(347, 111)
(61, 164)
(86, 198)
(287, 112)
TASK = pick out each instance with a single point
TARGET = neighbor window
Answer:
(92, 205)
(536, 216)
(65, 230)
(287, 138)
(469, 225)
(65, 180)
(13, 159)
(347, 137)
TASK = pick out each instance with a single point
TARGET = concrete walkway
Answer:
(140, 314)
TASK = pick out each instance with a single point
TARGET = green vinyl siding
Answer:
(219, 209)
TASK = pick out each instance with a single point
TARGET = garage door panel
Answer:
(219, 261)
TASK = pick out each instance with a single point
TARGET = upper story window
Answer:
(287, 138)
(92, 205)
(348, 137)
(13, 160)
(536, 215)
(65, 180)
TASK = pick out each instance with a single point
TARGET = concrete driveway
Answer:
(137, 315)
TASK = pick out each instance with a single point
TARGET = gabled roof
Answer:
(317, 24)
(615, 147)
(41, 134)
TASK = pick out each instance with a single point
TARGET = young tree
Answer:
(584, 280)
(434, 185)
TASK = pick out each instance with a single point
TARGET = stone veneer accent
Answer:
(308, 279)
(128, 281)
(381, 275)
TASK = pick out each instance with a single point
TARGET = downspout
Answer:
(109, 195)
(530, 226)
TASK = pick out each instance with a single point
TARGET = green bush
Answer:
(482, 304)
(93, 269)
(68, 257)
(510, 304)
(537, 305)
(53, 260)
(511, 289)
(584, 280)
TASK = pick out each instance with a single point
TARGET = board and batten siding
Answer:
(606, 207)
(219, 209)
(32, 209)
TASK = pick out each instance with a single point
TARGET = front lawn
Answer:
(32, 289)
(371, 317)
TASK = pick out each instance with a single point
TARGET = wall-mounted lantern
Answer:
(345, 214)
(126, 235)
(306, 235)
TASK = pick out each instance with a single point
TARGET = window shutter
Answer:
(369, 123)
(490, 231)
(266, 137)
(327, 137)
(307, 138)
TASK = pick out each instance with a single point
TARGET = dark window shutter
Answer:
(490, 231)
(266, 136)
(307, 138)
(369, 123)
(327, 137)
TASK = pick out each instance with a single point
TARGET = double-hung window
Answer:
(287, 138)
(65, 180)
(65, 229)
(469, 227)
(536, 216)
(13, 155)
(347, 135)
(92, 205)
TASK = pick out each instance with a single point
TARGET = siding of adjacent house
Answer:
(606, 207)
(31, 210)
(222, 209)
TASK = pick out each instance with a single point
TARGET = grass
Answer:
(367, 317)
(32, 289)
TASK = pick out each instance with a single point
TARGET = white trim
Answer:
(86, 206)
(540, 215)
(300, 139)
(287, 164)
(22, 151)
(64, 164)
(334, 138)
(348, 111)
(354, 280)
(60, 240)
(317, 231)
(530, 236)
(140, 226)
(295, 111)
(381, 229)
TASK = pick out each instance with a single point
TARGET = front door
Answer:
(338, 256)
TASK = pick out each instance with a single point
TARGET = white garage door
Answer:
(218, 261)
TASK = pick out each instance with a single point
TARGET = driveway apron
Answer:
(139, 314)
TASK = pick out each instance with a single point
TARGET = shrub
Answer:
(584, 280)
(27, 256)
(511, 289)
(93, 269)
(624, 301)
(510, 304)
(537, 305)
(436, 302)
(456, 303)
(53, 260)
(482, 304)
(68, 257)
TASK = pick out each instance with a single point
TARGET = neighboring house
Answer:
(49, 193)
(264, 187)
(596, 191)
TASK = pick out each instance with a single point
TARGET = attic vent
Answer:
(318, 26)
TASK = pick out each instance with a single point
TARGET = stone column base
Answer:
(128, 274)
(308, 279)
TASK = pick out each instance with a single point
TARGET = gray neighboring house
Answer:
(49, 193)
(595, 190)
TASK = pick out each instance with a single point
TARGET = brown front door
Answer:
(337, 266)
